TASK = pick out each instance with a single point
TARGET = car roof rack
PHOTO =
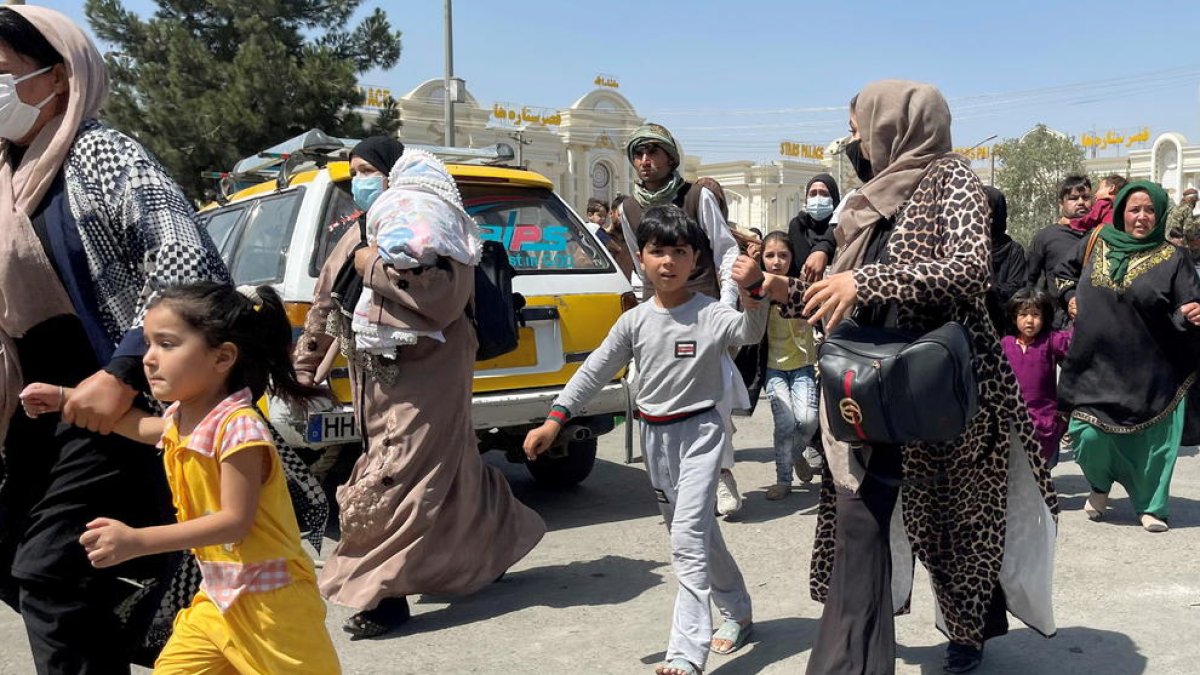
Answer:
(315, 148)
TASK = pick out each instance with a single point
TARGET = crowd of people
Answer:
(120, 331)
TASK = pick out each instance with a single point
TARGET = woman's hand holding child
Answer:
(39, 398)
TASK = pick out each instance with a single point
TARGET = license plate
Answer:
(330, 427)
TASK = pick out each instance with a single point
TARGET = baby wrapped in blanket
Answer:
(418, 219)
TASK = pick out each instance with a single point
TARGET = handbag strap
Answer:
(1087, 252)
(848, 392)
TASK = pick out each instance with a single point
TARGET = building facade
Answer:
(763, 196)
(1170, 161)
(582, 150)
(579, 148)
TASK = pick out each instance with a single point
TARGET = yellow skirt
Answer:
(279, 631)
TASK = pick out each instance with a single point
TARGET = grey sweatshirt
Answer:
(678, 354)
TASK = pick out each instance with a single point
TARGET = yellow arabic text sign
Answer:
(526, 115)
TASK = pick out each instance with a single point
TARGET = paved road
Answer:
(595, 596)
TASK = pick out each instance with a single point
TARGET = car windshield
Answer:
(253, 238)
(220, 226)
(539, 231)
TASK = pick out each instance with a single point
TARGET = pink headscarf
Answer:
(905, 126)
(30, 290)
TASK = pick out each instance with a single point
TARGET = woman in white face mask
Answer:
(19, 120)
(810, 230)
(90, 225)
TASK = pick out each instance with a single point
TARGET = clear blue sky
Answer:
(732, 78)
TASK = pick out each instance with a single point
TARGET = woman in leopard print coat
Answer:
(913, 253)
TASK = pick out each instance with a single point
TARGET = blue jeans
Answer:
(793, 397)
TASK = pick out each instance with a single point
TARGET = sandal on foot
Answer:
(733, 632)
(778, 491)
(1152, 523)
(961, 658)
(682, 665)
(389, 615)
(1095, 505)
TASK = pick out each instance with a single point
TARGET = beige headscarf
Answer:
(30, 290)
(905, 127)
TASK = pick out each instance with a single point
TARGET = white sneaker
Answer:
(814, 459)
(729, 501)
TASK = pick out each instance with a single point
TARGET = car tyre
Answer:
(564, 472)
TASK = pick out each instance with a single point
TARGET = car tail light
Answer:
(628, 301)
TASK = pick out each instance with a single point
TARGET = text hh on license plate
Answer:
(331, 426)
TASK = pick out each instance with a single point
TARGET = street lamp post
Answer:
(449, 94)
(991, 158)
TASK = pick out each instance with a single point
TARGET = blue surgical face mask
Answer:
(366, 189)
(819, 208)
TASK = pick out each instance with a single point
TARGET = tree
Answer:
(388, 122)
(203, 83)
(1029, 175)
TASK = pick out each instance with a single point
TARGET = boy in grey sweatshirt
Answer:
(677, 339)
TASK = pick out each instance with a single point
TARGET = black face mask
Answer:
(862, 165)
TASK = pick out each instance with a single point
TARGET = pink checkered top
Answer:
(224, 582)
(242, 430)
(222, 431)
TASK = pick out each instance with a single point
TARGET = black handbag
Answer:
(885, 387)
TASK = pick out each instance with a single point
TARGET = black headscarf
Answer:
(381, 152)
(1001, 242)
(808, 234)
(1008, 260)
(999, 211)
(830, 184)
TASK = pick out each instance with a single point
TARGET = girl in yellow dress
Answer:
(213, 350)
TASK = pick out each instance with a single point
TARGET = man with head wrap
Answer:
(656, 157)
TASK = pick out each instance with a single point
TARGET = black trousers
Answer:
(79, 619)
(73, 632)
(857, 635)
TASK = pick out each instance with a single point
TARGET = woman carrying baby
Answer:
(421, 512)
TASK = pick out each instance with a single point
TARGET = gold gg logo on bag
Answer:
(850, 411)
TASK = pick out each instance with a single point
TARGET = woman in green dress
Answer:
(1133, 356)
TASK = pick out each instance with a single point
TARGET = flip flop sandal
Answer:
(1152, 523)
(1093, 513)
(733, 632)
(361, 627)
(389, 615)
(684, 666)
